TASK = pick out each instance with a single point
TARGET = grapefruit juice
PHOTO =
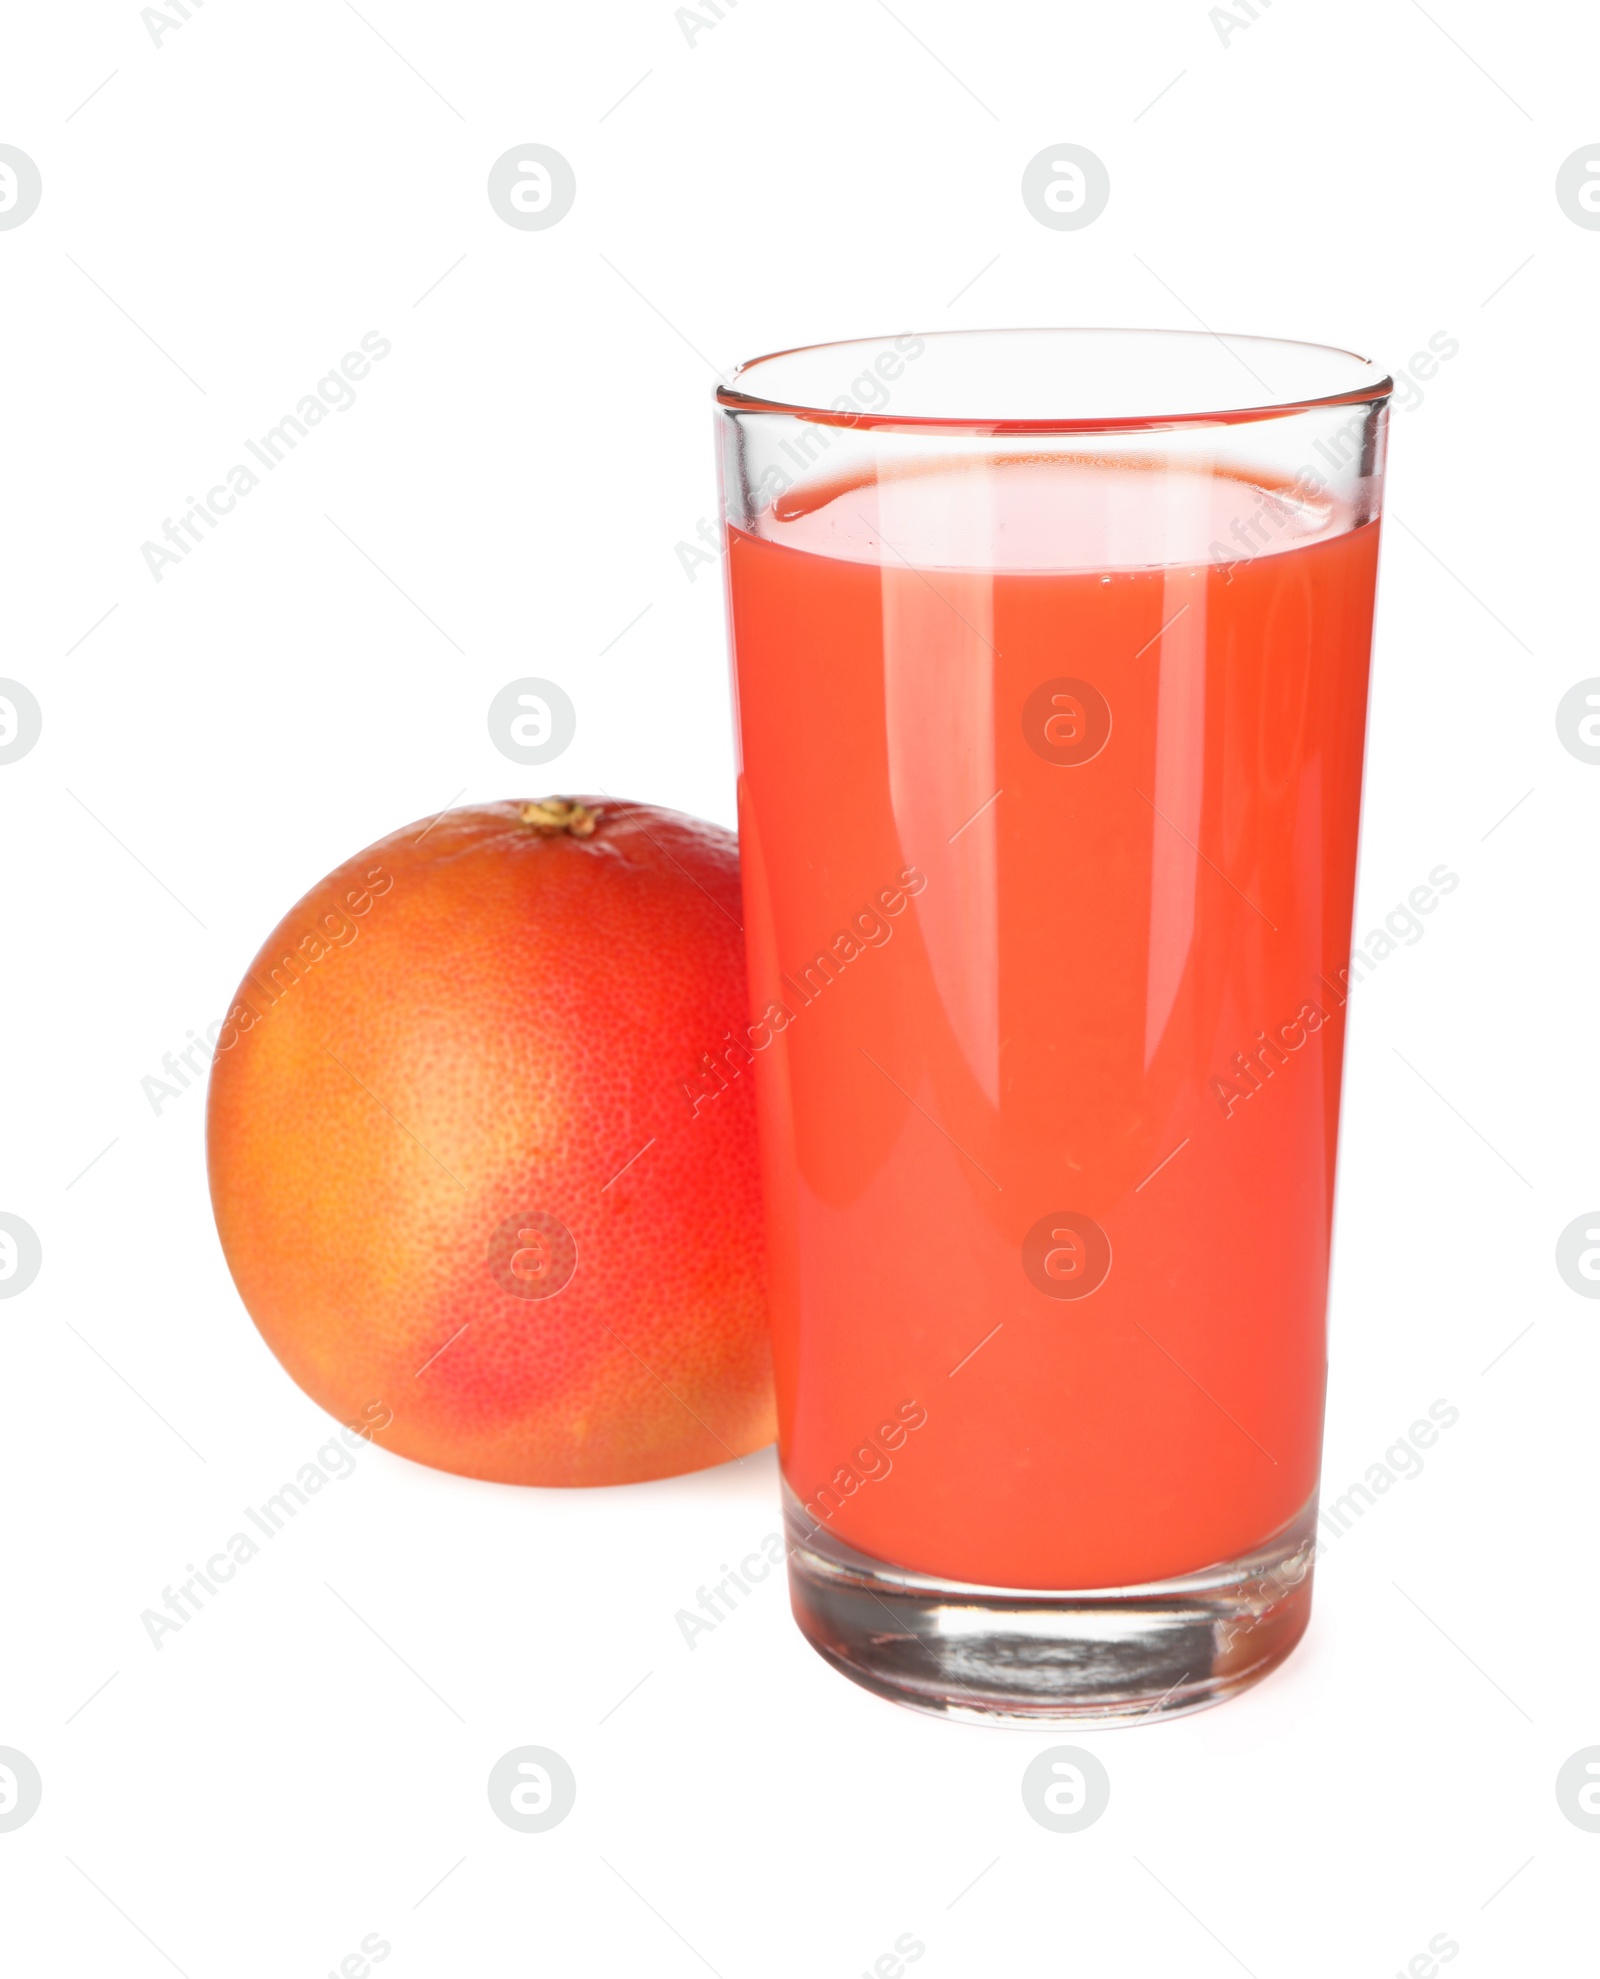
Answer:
(1049, 793)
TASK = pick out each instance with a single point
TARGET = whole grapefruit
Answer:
(469, 1161)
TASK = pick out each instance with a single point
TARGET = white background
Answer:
(255, 193)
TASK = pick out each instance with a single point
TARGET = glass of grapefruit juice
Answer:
(1050, 657)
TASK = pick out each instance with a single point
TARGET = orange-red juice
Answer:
(1048, 881)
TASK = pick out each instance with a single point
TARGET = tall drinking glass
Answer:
(1051, 653)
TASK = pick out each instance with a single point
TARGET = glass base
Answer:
(1032, 1656)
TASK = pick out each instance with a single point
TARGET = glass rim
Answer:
(731, 396)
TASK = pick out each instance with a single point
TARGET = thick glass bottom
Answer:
(1029, 1656)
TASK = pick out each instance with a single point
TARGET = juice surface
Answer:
(1048, 880)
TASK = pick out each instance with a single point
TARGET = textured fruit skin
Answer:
(482, 1022)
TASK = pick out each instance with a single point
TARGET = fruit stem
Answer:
(557, 814)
